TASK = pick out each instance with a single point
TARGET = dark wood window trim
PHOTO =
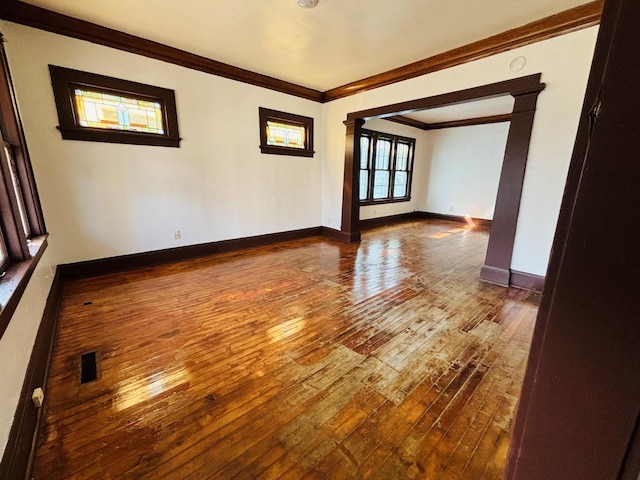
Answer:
(65, 80)
(24, 244)
(16, 278)
(371, 155)
(267, 115)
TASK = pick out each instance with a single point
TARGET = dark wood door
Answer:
(581, 395)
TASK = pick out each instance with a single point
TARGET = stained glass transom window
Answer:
(286, 135)
(104, 110)
(283, 133)
(96, 108)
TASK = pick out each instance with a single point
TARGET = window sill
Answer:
(15, 280)
(293, 152)
(118, 136)
(365, 203)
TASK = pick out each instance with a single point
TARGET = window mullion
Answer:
(29, 191)
(16, 240)
(392, 167)
(372, 166)
(370, 157)
(4, 254)
(412, 148)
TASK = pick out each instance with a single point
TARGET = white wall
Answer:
(102, 200)
(564, 62)
(420, 155)
(463, 170)
(17, 342)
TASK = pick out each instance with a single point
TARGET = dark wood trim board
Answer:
(17, 459)
(102, 266)
(350, 222)
(388, 220)
(335, 234)
(17, 277)
(568, 21)
(515, 87)
(455, 218)
(580, 398)
(506, 117)
(527, 281)
(412, 122)
(37, 17)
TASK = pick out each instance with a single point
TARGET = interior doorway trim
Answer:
(525, 91)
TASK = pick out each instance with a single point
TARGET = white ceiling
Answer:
(464, 111)
(338, 42)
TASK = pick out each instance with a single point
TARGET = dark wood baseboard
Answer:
(341, 236)
(103, 266)
(19, 453)
(527, 281)
(336, 234)
(499, 276)
(454, 218)
(512, 278)
(388, 220)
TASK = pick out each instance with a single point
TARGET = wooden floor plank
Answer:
(309, 359)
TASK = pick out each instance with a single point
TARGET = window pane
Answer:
(364, 153)
(402, 156)
(17, 190)
(364, 184)
(400, 185)
(381, 184)
(382, 154)
(113, 112)
(286, 135)
(4, 256)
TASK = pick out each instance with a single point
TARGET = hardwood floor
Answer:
(310, 359)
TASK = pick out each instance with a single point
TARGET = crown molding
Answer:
(37, 17)
(467, 122)
(568, 21)
(409, 122)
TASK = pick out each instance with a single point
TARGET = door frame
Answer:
(525, 91)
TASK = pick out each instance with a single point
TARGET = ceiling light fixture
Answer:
(308, 3)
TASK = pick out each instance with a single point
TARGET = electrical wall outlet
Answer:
(38, 397)
(177, 235)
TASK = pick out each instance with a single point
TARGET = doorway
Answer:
(525, 91)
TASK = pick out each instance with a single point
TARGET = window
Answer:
(22, 230)
(16, 189)
(285, 133)
(104, 109)
(386, 163)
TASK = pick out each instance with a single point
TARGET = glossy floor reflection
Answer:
(308, 359)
